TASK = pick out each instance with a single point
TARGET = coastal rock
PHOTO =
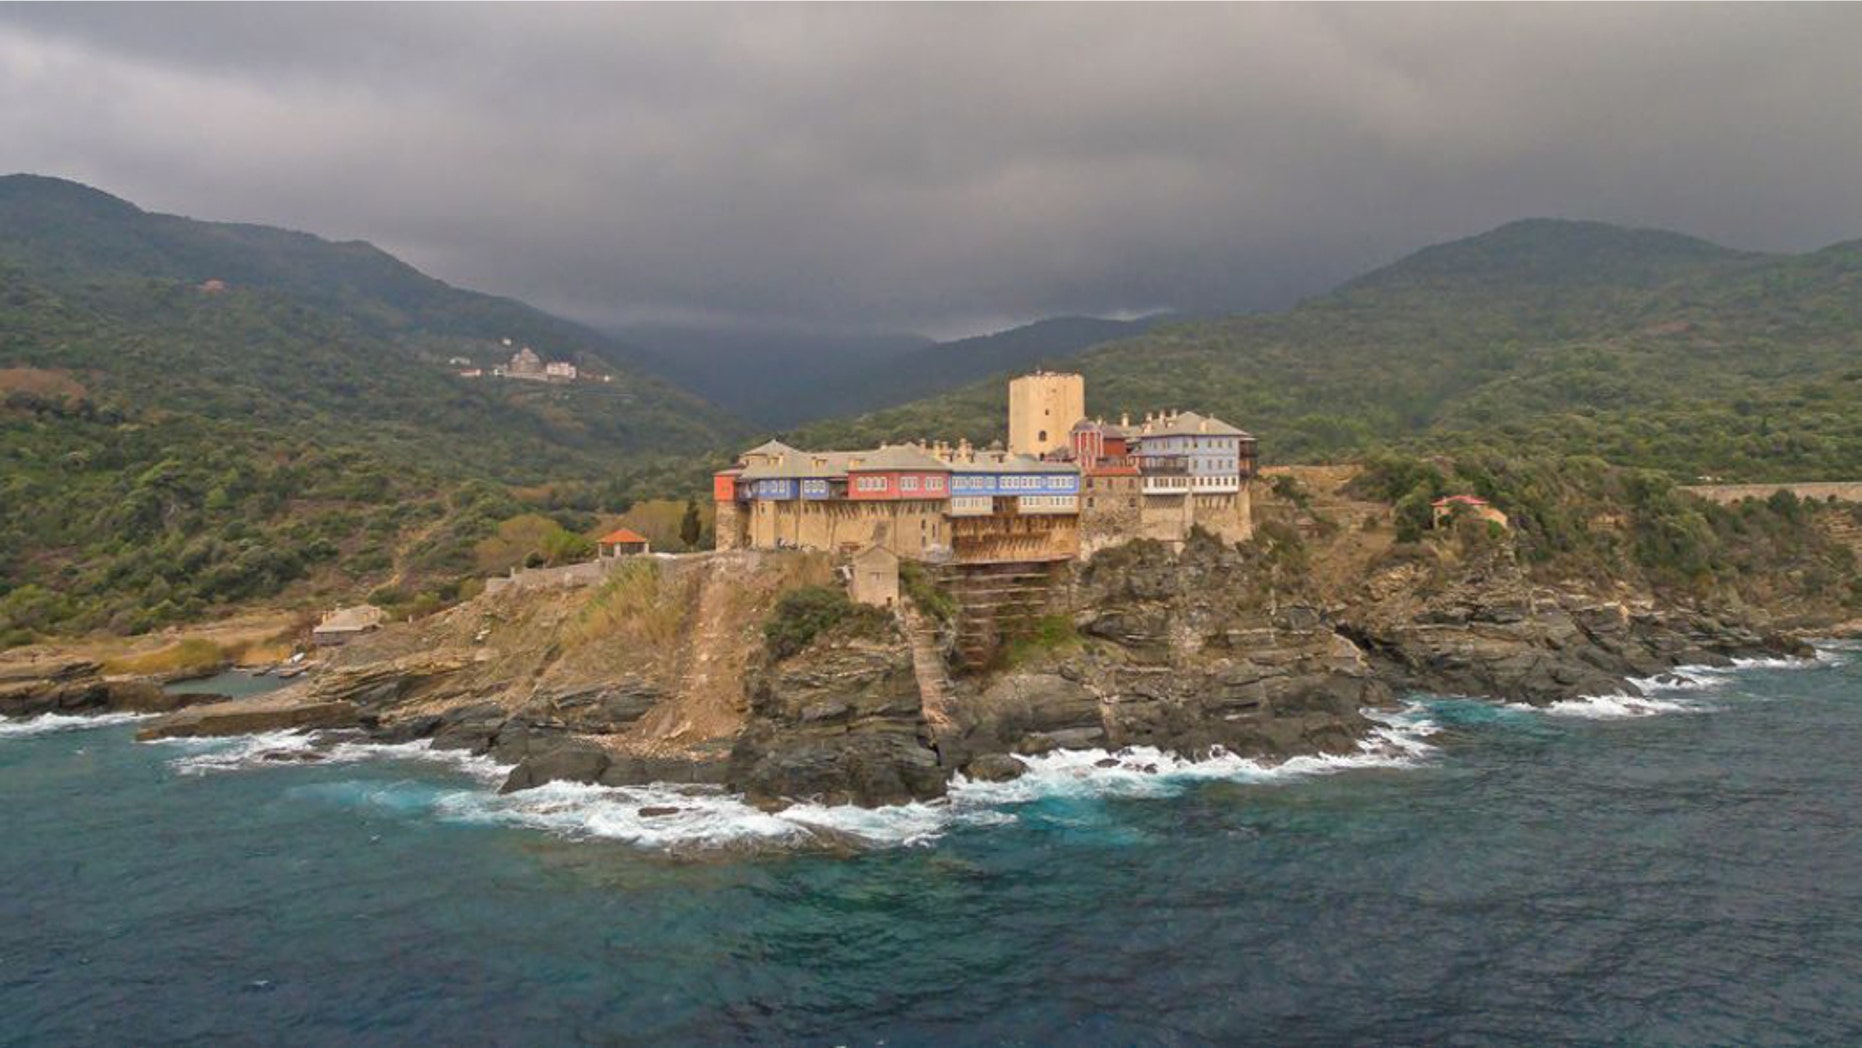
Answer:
(839, 724)
(1171, 660)
(597, 709)
(1487, 633)
(73, 686)
(290, 709)
(563, 759)
(543, 756)
(470, 728)
(994, 767)
(406, 729)
(381, 684)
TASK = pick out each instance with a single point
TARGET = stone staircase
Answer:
(927, 664)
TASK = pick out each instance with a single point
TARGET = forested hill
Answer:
(170, 446)
(784, 378)
(64, 234)
(1644, 348)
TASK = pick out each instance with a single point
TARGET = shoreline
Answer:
(695, 821)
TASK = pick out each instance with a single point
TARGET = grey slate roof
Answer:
(775, 448)
(1004, 462)
(816, 465)
(1189, 424)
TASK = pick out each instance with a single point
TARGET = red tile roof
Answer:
(619, 536)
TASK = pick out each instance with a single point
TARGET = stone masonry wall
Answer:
(1820, 491)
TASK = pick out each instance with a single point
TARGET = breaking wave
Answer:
(282, 748)
(683, 817)
(699, 818)
(1613, 707)
(50, 723)
(1141, 771)
(1680, 683)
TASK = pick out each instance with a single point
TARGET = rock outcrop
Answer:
(841, 723)
(1169, 657)
(293, 709)
(1487, 632)
(29, 688)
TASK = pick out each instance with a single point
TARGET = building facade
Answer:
(1066, 487)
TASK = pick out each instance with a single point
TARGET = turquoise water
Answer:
(1491, 875)
(233, 683)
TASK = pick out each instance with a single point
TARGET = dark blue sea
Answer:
(1685, 870)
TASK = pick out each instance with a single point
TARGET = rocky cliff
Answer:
(663, 673)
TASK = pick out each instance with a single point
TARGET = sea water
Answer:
(1678, 868)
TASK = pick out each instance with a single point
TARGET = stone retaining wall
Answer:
(1819, 491)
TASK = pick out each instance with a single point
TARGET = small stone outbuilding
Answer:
(345, 624)
(875, 577)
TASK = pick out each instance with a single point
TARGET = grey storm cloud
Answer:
(941, 168)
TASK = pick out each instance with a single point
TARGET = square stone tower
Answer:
(1042, 410)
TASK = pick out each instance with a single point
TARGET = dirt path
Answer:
(710, 703)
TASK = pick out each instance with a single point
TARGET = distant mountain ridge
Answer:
(57, 228)
(1552, 253)
(786, 378)
(1642, 347)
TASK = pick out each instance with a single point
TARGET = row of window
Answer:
(1154, 444)
(909, 483)
(1032, 482)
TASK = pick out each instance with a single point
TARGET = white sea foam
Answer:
(50, 723)
(1142, 771)
(274, 749)
(707, 818)
(1613, 707)
(1683, 678)
(704, 818)
(1775, 663)
(701, 818)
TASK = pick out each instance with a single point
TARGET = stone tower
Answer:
(1042, 410)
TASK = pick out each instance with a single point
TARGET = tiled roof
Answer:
(773, 448)
(619, 536)
(1004, 462)
(1110, 429)
(890, 457)
(1189, 424)
(801, 465)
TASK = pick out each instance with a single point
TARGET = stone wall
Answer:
(1109, 512)
(1820, 491)
(732, 527)
(586, 573)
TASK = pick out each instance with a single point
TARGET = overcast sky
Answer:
(941, 168)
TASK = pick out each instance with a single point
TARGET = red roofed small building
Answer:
(1472, 505)
(622, 542)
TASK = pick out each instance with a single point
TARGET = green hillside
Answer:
(1643, 348)
(785, 378)
(170, 450)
